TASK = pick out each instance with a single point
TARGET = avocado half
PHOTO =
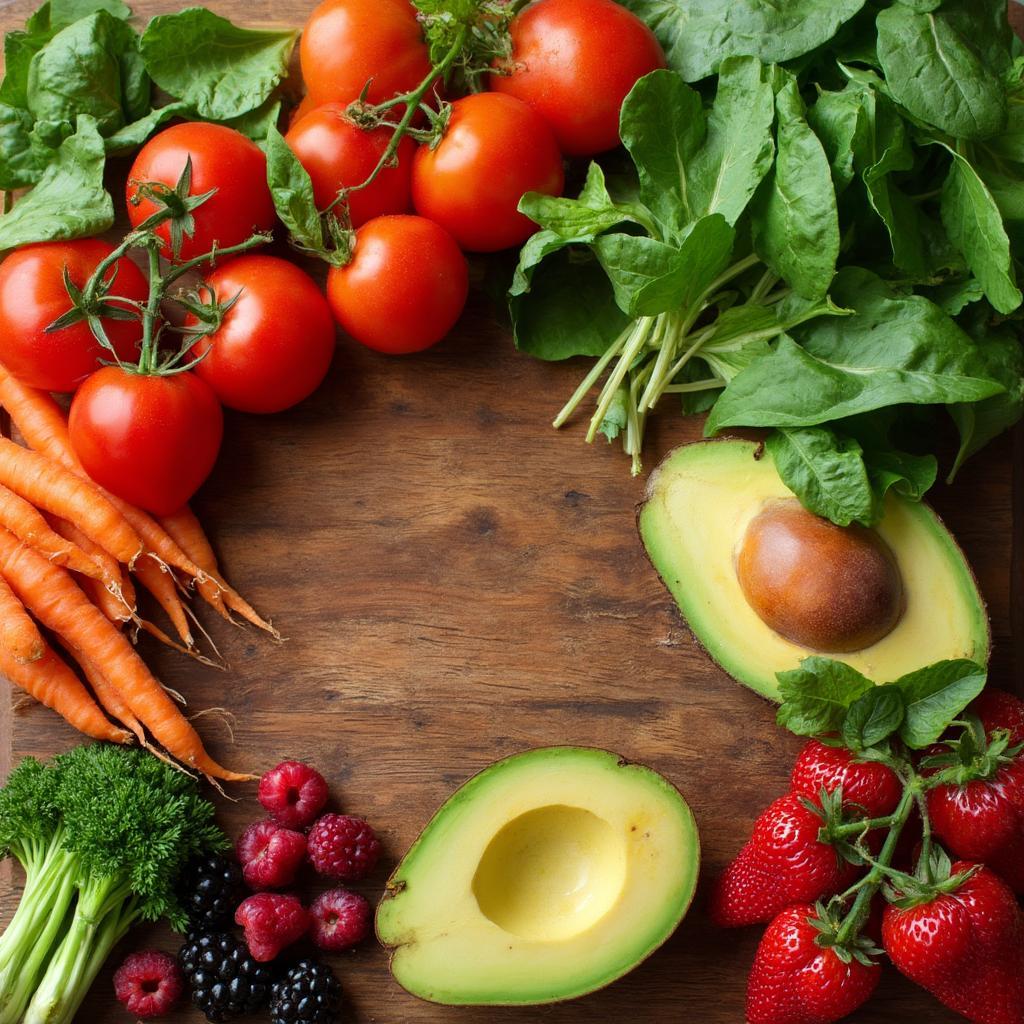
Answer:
(698, 505)
(546, 876)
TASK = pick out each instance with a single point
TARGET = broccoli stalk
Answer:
(103, 833)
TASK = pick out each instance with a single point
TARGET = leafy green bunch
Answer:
(81, 84)
(894, 724)
(102, 833)
(821, 236)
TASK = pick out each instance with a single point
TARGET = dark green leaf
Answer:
(975, 226)
(895, 350)
(826, 473)
(699, 34)
(839, 119)
(47, 213)
(23, 158)
(909, 476)
(935, 696)
(221, 70)
(663, 126)
(292, 190)
(795, 221)
(816, 696)
(133, 135)
(944, 67)
(257, 123)
(569, 311)
(873, 718)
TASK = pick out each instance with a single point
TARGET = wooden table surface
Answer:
(457, 582)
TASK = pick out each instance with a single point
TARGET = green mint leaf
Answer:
(895, 350)
(699, 34)
(826, 472)
(935, 696)
(816, 696)
(292, 191)
(945, 66)
(221, 70)
(45, 213)
(873, 718)
(795, 221)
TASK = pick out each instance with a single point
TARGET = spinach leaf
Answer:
(221, 70)
(133, 135)
(738, 151)
(940, 67)
(650, 277)
(935, 696)
(292, 191)
(699, 34)
(910, 476)
(570, 309)
(975, 226)
(92, 67)
(826, 472)
(19, 49)
(23, 157)
(795, 220)
(568, 221)
(873, 718)
(662, 124)
(839, 120)
(57, 14)
(256, 124)
(895, 350)
(816, 696)
(69, 201)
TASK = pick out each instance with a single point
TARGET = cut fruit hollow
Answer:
(547, 876)
(828, 588)
(551, 873)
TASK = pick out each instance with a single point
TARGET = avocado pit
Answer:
(828, 588)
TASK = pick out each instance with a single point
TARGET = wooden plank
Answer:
(458, 582)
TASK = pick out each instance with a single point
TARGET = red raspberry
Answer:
(270, 855)
(271, 922)
(293, 794)
(340, 919)
(149, 984)
(343, 847)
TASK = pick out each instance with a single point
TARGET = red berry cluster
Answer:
(820, 856)
(339, 847)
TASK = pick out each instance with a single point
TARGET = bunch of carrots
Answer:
(68, 554)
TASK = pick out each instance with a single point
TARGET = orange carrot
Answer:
(50, 593)
(160, 583)
(116, 602)
(49, 485)
(187, 532)
(26, 522)
(19, 635)
(52, 683)
(110, 698)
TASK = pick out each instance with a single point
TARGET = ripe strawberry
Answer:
(800, 977)
(868, 786)
(783, 863)
(979, 813)
(965, 946)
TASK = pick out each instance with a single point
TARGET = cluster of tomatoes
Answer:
(151, 435)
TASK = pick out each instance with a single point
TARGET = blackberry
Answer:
(224, 979)
(210, 889)
(308, 994)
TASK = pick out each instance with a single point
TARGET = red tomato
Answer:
(347, 43)
(404, 288)
(494, 149)
(338, 154)
(150, 440)
(222, 159)
(574, 62)
(33, 296)
(274, 345)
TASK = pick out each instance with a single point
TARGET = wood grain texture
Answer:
(458, 582)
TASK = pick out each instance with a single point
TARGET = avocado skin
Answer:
(767, 686)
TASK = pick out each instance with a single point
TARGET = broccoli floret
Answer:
(103, 833)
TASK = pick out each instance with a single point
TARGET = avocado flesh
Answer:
(698, 505)
(546, 876)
